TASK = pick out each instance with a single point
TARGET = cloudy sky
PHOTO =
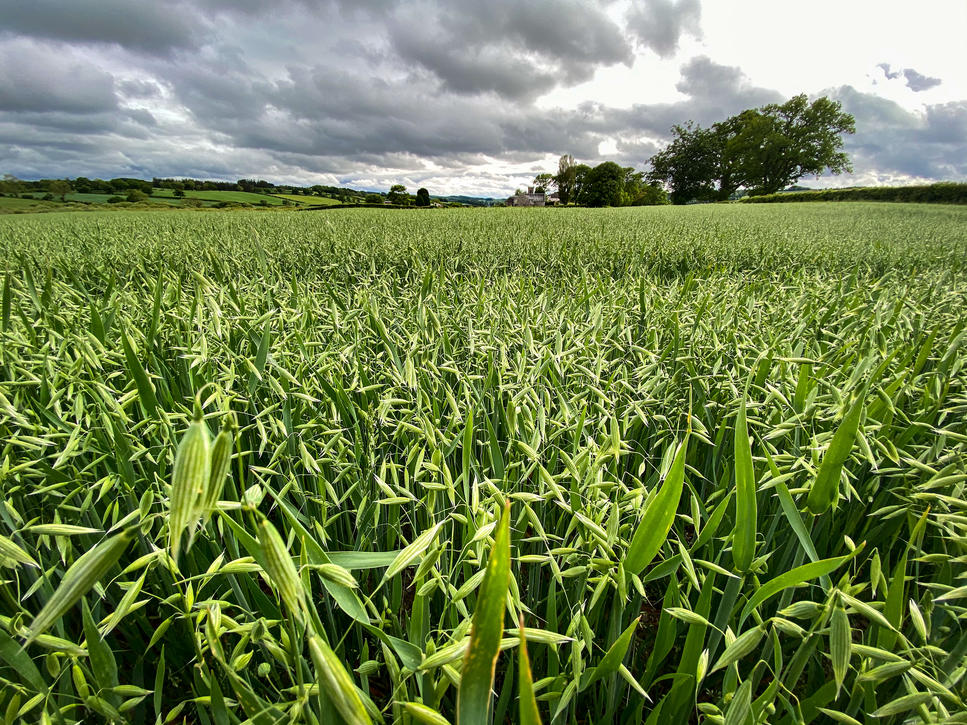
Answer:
(463, 97)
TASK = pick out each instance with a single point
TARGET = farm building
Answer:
(532, 198)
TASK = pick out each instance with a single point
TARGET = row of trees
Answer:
(397, 195)
(61, 187)
(261, 186)
(761, 150)
(607, 184)
(123, 186)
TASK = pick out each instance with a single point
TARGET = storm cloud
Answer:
(660, 24)
(444, 95)
(897, 143)
(153, 28)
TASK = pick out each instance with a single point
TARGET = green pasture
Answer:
(216, 196)
(314, 200)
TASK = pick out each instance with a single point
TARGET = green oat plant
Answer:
(701, 464)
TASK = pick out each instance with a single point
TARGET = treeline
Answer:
(940, 193)
(124, 185)
(81, 185)
(607, 184)
(260, 186)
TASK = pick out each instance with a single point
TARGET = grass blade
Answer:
(825, 489)
(793, 578)
(528, 714)
(658, 518)
(476, 682)
(743, 537)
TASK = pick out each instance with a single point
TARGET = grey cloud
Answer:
(714, 91)
(511, 48)
(890, 74)
(476, 71)
(139, 88)
(34, 79)
(141, 116)
(148, 27)
(660, 24)
(947, 123)
(325, 113)
(704, 78)
(919, 82)
(915, 80)
(890, 139)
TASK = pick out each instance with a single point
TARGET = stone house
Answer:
(531, 198)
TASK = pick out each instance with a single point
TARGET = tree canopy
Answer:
(762, 150)
(397, 194)
(543, 182)
(422, 197)
(607, 184)
(565, 178)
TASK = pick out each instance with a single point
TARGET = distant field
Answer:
(11, 203)
(216, 196)
(315, 200)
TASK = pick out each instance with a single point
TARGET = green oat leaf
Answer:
(793, 578)
(528, 713)
(146, 393)
(743, 536)
(825, 489)
(612, 659)
(658, 517)
(486, 631)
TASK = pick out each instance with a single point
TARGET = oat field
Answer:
(651, 465)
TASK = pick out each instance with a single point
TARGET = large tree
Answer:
(579, 174)
(566, 171)
(397, 194)
(10, 184)
(59, 187)
(762, 150)
(779, 144)
(689, 164)
(604, 185)
(422, 197)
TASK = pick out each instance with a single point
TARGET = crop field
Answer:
(647, 465)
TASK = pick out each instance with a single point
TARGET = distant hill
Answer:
(468, 200)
